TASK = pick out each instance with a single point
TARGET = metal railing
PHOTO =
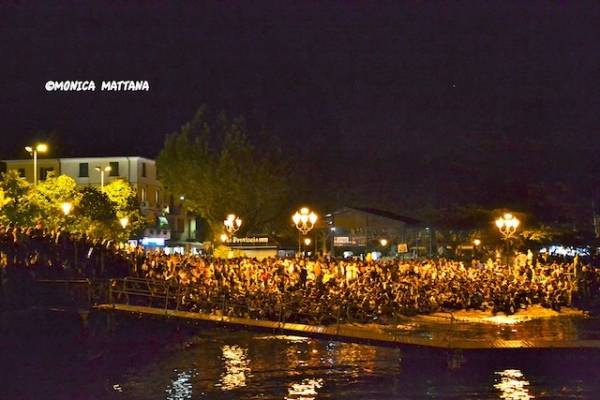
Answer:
(169, 295)
(144, 292)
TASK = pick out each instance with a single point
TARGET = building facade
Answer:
(355, 231)
(167, 216)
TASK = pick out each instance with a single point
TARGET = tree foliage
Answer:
(94, 211)
(217, 169)
(124, 199)
(96, 206)
(48, 197)
(17, 207)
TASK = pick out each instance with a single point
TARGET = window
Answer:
(22, 172)
(114, 168)
(143, 194)
(143, 170)
(84, 170)
(44, 173)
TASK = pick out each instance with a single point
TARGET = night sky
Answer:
(392, 106)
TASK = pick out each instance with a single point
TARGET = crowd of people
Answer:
(320, 290)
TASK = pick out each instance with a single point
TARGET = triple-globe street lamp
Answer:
(34, 150)
(305, 220)
(507, 225)
(232, 223)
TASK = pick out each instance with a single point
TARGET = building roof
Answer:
(382, 213)
(40, 159)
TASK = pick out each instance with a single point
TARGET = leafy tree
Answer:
(96, 214)
(125, 202)
(219, 171)
(3, 199)
(96, 205)
(17, 206)
(49, 195)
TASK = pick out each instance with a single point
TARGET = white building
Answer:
(169, 219)
(139, 171)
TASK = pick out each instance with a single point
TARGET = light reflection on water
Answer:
(513, 385)
(287, 338)
(236, 367)
(244, 365)
(305, 390)
(232, 364)
(181, 387)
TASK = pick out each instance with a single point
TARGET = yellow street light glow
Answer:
(102, 170)
(124, 222)
(383, 242)
(304, 219)
(232, 223)
(307, 241)
(66, 208)
(296, 218)
(507, 224)
(41, 148)
(476, 242)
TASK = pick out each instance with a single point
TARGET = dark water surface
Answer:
(43, 359)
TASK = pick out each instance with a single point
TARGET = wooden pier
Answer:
(445, 337)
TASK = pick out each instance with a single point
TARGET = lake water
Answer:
(146, 360)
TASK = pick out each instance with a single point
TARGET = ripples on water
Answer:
(150, 362)
(238, 365)
(512, 385)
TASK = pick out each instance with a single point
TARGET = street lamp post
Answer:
(476, 244)
(66, 208)
(507, 225)
(383, 242)
(102, 170)
(305, 220)
(307, 242)
(34, 150)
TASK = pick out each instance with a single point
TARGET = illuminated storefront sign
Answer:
(343, 241)
(153, 242)
(249, 241)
